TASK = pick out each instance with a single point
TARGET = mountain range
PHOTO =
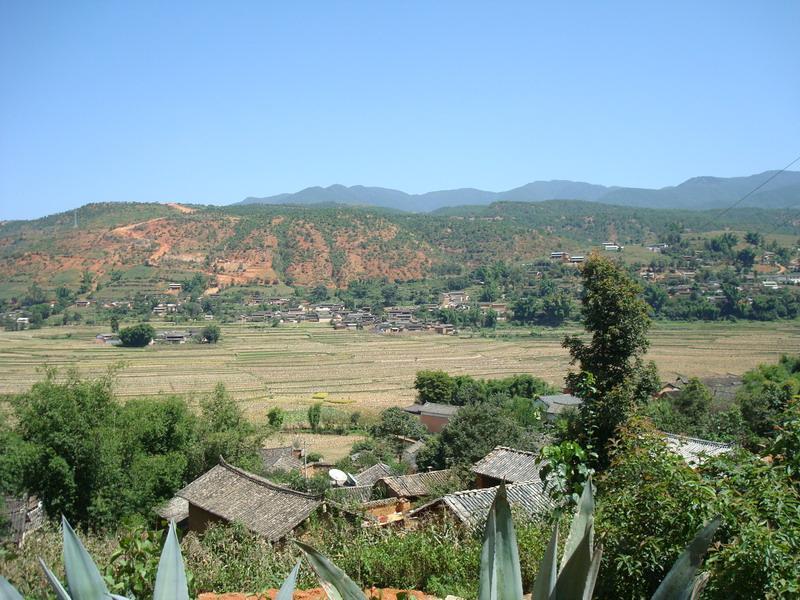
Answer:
(778, 190)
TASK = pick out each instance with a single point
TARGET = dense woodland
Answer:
(105, 464)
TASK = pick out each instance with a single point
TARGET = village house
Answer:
(370, 475)
(554, 405)
(413, 486)
(454, 299)
(229, 494)
(434, 416)
(111, 339)
(400, 314)
(658, 248)
(175, 287)
(22, 515)
(506, 465)
(577, 259)
(559, 255)
(284, 458)
(174, 337)
(470, 507)
(695, 451)
(23, 323)
(83, 303)
(444, 329)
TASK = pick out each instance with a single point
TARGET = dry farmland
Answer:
(287, 365)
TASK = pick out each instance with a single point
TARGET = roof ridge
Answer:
(517, 450)
(263, 481)
(494, 487)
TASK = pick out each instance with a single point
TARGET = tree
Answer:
(137, 336)
(314, 415)
(114, 324)
(318, 294)
(612, 377)
(395, 421)
(746, 257)
(434, 386)
(694, 400)
(211, 333)
(226, 432)
(275, 417)
(470, 435)
(754, 238)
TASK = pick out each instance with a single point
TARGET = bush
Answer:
(211, 333)
(137, 336)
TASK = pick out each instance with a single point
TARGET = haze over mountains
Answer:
(694, 193)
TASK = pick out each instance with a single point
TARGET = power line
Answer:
(753, 191)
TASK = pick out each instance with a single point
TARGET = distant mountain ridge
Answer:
(699, 193)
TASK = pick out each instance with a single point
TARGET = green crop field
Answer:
(285, 366)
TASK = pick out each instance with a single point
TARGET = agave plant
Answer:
(84, 581)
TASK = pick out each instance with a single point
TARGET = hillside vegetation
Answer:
(139, 246)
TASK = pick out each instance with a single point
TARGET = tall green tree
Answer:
(612, 377)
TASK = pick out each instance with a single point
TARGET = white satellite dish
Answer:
(338, 477)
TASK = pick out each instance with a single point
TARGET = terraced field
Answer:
(286, 365)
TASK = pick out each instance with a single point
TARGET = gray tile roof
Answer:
(263, 507)
(176, 509)
(371, 474)
(694, 450)
(471, 506)
(279, 459)
(558, 403)
(433, 409)
(509, 464)
(350, 494)
(416, 485)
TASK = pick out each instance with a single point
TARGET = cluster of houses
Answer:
(375, 496)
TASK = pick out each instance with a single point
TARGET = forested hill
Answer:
(331, 244)
(775, 190)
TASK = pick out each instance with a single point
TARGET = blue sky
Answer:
(212, 102)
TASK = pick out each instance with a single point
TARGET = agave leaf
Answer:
(59, 590)
(337, 585)
(287, 589)
(85, 581)
(591, 576)
(501, 578)
(679, 584)
(582, 523)
(171, 576)
(546, 577)
(117, 597)
(574, 575)
(8, 591)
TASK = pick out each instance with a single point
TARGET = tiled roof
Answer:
(279, 459)
(371, 474)
(694, 450)
(433, 409)
(234, 495)
(176, 510)
(472, 506)
(416, 485)
(509, 464)
(350, 494)
(558, 403)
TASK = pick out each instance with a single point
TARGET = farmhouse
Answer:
(22, 516)
(559, 255)
(508, 465)
(370, 475)
(694, 450)
(444, 329)
(434, 416)
(555, 404)
(174, 337)
(226, 493)
(400, 314)
(175, 287)
(285, 458)
(23, 322)
(470, 507)
(577, 259)
(413, 486)
(453, 299)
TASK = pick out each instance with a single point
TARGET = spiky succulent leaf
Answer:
(501, 577)
(574, 575)
(334, 581)
(546, 577)
(287, 589)
(582, 523)
(679, 584)
(171, 576)
(55, 584)
(8, 591)
(83, 577)
(591, 576)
